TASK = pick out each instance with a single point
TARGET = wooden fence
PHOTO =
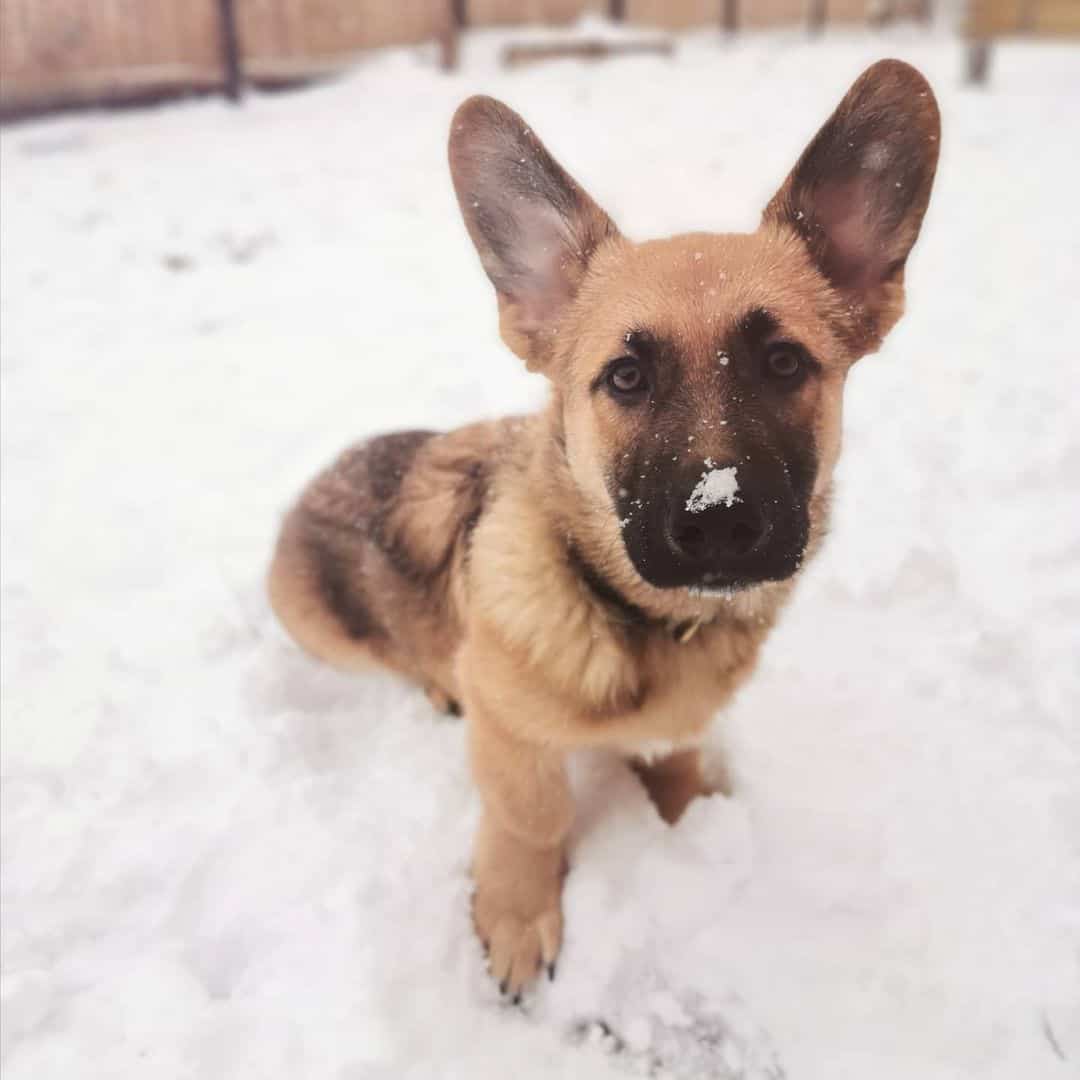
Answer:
(296, 38)
(750, 14)
(993, 18)
(61, 52)
(988, 20)
(64, 50)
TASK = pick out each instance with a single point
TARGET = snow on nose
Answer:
(716, 486)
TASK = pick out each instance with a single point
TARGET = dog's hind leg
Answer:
(674, 782)
(314, 594)
(441, 701)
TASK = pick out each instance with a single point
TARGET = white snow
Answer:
(221, 860)
(716, 486)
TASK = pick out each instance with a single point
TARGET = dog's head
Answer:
(699, 378)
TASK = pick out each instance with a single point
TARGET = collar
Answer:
(624, 611)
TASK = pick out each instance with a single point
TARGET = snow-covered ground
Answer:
(220, 860)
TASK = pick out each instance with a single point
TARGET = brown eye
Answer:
(783, 361)
(626, 377)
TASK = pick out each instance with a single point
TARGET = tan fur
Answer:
(447, 557)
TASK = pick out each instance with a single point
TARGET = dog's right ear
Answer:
(533, 226)
(858, 193)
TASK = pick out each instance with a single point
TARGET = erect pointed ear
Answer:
(534, 227)
(858, 193)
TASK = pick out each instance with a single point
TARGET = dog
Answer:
(603, 573)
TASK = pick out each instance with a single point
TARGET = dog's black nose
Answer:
(717, 523)
(717, 532)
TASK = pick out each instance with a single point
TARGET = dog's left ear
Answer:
(534, 227)
(858, 193)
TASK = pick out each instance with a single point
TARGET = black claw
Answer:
(453, 708)
(504, 986)
(551, 971)
(516, 999)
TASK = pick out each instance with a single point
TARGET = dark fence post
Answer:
(729, 16)
(815, 16)
(453, 18)
(230, 51)
(978, 61)
(617, 10)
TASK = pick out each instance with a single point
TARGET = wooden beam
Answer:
(588, 49)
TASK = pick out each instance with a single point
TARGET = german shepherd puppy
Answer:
(603, 573)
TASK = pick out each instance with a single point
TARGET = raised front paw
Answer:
(517, 909)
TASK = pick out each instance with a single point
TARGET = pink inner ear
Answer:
(853, 245)
(548, 265)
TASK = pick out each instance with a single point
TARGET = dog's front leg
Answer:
(519, 859)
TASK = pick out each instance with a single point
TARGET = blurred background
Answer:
(228, 248)
(62, 52)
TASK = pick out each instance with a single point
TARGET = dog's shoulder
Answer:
(444, 491)
(525, 599)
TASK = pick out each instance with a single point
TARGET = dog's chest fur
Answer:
(595, 675)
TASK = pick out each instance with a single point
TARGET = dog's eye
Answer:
(783, 361)
(626, 377)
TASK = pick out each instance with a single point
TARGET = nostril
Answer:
(717, 533)
(742, 537)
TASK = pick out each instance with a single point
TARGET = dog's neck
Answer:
(624, 611)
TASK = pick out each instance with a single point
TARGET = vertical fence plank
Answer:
(674, 14)
(770, 13)
(61, 52)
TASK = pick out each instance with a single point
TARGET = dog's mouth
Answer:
(717, 584)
